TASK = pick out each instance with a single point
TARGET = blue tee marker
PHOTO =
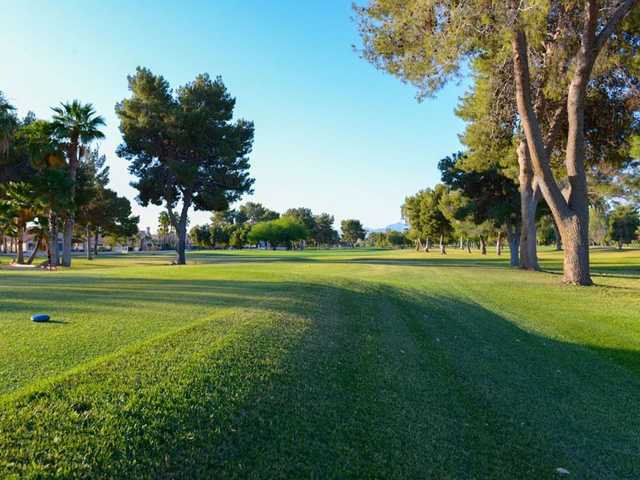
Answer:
(40, 317)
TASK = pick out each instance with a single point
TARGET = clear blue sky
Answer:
(332, 133)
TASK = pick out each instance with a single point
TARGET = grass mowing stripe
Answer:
(173, 397)
(128, 349)
(546, 401)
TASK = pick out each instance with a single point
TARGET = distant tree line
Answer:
(252, 224)
(473, 206)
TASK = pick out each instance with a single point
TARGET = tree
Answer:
(397, 239)
(8, 124)
(109, 214)
(164, 227)
(74, 125)
(598, 226)
(92, 180)
(283, 231)
(225, 216)
(18, 205)
(253, 212)
(302, 215)
(201, 235)
(184, 148)
(623, 223)
(427, 43)
(37, 160)
(492, 200)
(239, 234)
(352, 231)
(323, 232)
(410, 212)
(424, 213)
(221, 233)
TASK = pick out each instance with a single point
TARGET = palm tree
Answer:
(18, 206)
(75, 124)
(8, 124)
(164, 227)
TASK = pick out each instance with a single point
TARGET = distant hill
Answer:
(398, 227)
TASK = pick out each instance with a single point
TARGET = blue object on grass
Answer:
(40, 317)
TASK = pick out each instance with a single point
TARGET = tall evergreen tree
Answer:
(185, 149)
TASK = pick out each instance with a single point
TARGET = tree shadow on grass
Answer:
(381, 382)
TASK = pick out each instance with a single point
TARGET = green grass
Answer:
(324, 364)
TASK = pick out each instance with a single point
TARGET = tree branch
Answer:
(622, 10)
(531, 126)
(554, 129)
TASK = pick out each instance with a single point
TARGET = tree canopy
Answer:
(281, 232)
(352, 231)
(184, 148)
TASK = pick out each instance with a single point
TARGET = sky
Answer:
(332, 133)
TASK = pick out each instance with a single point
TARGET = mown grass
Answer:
(329, 364)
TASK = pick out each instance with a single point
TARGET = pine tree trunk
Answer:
(499, 244)
(513, 237)
(483, 245)
(181, 230)
(569, 210)
(181, 256)
(443, 247)
(468, 246)
(529, 197)
(96, 237)
(575, 236)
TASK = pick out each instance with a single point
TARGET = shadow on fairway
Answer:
(384, 383)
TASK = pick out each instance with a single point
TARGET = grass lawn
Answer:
(324, 364)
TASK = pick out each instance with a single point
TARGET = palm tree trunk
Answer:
(19, 246)
(67, 243)
(53, 239)
(88, 248)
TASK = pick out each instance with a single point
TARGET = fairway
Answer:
(341, 363)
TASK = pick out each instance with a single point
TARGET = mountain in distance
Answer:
(397, 227)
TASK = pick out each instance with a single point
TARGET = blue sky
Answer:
(332, 133)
